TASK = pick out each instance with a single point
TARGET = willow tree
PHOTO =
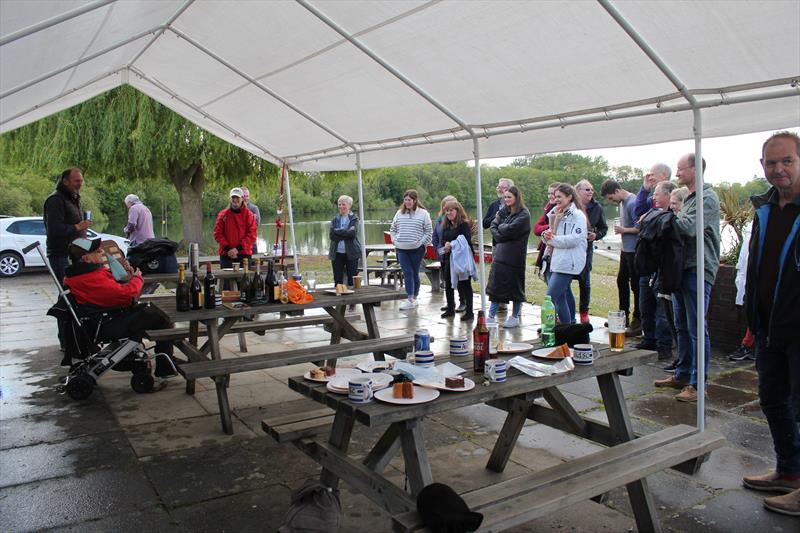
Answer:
(124, 134)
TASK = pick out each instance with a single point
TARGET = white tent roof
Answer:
(411, 81)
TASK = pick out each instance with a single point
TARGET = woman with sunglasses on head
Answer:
(510, 229)
(567, 237)
(411, 231)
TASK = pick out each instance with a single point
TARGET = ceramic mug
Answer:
(495, 370)
(424, 358)
(360, 389)
(583, 354)
(459, 347)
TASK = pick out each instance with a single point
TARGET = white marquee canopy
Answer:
(310, 83)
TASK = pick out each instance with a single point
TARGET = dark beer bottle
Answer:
(258, 290)
(209, 289)
(196, 291)
(480, 344)
(270, 283)
(244, 283)
(183, 302)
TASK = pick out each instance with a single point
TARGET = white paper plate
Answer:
(379, 381)
(339, 372)
(542, 353)
(421, 395)
(515, 347)
(468, 385)
(370, 366)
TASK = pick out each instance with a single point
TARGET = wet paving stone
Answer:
(727, 398)
(71, 457)
(252, 511)
(743, 379)
(68, 500)
(156, 520)
(75, 420)
(670, 490)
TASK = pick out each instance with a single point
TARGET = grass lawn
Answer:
(604, 296)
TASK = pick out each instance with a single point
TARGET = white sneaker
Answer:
(408, 304)
(511, 322)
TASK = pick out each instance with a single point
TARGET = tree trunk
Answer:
(190, 182)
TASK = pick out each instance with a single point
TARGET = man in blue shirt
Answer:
(627, 280)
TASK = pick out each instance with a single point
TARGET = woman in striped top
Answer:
(411, 231)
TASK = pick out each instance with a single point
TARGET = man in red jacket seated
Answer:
(95, 289)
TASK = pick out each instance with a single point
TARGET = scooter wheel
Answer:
(142, 383)
(80, 387)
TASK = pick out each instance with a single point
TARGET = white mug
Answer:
(360, 389)
(459, 347)
(495, 370)
(583, 354)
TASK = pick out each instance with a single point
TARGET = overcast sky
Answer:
(732, 159)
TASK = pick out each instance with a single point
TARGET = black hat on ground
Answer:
(444, 511)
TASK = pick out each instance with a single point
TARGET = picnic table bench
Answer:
(627, 461)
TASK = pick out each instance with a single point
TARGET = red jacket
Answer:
(543, 223)
(94, 284)
(235, 230)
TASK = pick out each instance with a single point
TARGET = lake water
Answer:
(311, 230)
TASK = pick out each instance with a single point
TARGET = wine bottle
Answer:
(244, 283)
(270, 283)
(183, 301)
(480, 344)
(258, 289)
(209, 289)
(276, 287)
(196, 291)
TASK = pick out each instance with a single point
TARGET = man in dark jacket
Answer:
(494, 207)
(772, 293)
(596, 230)
(63, 219)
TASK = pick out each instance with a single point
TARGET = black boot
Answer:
(448, 313)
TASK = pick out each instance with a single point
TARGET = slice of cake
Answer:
(408, 389)
(455, 382)
(560, 352)
(317, 373)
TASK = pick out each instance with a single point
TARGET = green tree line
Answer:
(128, 143)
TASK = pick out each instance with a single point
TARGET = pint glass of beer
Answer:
(616, 330)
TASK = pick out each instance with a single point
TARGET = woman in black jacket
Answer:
(345, 249)
(455, 223)
(510, 229)
(597, 229)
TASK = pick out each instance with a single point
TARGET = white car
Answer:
(18, 232)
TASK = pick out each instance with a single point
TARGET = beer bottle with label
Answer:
(209, 289)
(196, 291)
(258, 285)
(270, 283)
(183, 302)
(480, 344)
(244, 283)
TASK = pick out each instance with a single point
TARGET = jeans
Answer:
(627, 277)
(684, 305)
(340, 265)
(410, 260)
(494, 306)
(558, 289)
(778, 391)
(654, 321)
(585, 284)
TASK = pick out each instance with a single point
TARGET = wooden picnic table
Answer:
(513, 502)
(219, 273)
(206, 360)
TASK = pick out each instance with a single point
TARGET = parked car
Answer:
(18, 232)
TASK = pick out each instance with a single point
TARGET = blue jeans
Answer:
(654, 322)
(495, 305)
(778, 391)
(585, 283)
(558, 289)
(410, 260)
(684, 305)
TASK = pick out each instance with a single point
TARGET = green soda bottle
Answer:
(548, 323)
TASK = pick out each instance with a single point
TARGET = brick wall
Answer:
(726, 320)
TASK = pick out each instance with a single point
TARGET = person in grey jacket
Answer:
(510, 229)
(345, 250)
(684, 300)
